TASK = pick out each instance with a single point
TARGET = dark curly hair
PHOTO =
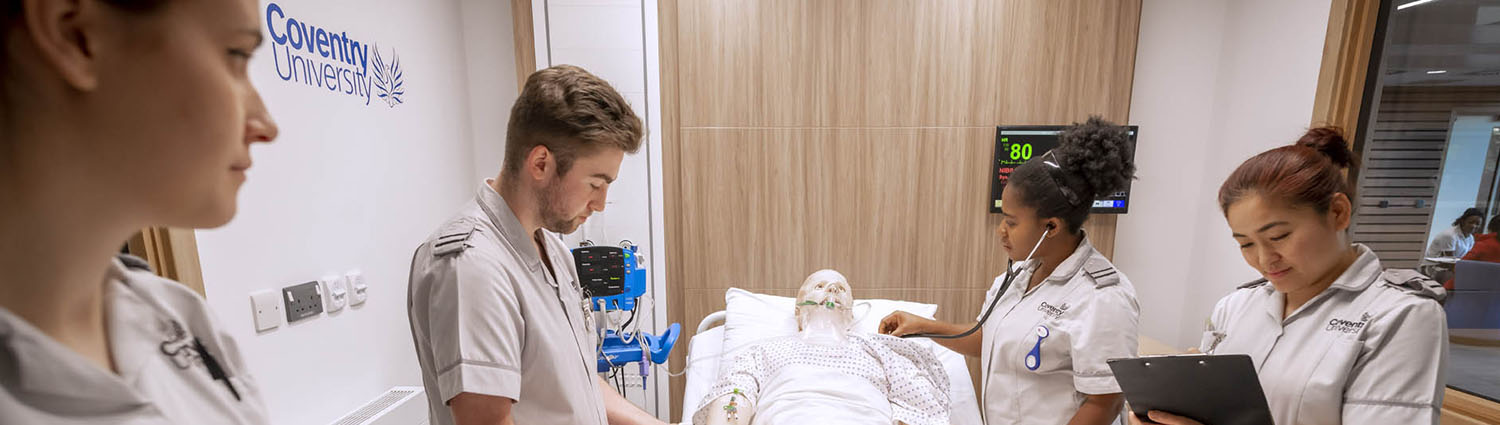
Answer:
(1471, 212)
(1092, 160)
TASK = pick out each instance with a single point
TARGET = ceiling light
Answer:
(1414, 3)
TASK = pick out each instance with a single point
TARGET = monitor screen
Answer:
(1014, 145)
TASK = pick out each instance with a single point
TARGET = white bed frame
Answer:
(712, 320)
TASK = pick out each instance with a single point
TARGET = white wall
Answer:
(489, 48)
(1216, 81)
(348, 186)
(1463, 169)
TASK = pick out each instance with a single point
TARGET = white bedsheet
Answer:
(705, 353)
(821, 396)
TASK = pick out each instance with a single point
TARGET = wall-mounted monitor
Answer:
(1014, 145)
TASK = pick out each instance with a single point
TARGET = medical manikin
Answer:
(828, 375)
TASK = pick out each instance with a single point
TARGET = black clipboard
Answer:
(1214, 390)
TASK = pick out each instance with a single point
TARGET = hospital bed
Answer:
(706, 353)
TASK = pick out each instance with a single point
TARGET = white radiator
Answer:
(398, 406)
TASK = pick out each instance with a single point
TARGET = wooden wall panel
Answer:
(741, 63)
(892, 208)
(856, 63)
(857, 135)
(1402, 165)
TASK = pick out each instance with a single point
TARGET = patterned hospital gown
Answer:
(907, 373)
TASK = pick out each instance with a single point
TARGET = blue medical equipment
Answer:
(614, 279)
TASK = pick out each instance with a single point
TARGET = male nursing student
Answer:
(494, 303)
(1068, 310)
(1335, 337)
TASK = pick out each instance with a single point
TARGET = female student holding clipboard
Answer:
(1335, 338)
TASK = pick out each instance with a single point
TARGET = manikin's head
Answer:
(825, 300)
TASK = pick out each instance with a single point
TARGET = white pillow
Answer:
(751, 317)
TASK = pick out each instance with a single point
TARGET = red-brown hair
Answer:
(1307, 173)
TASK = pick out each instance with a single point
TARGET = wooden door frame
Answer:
(524, 38)
(172, 253)
(1347, 52)
(1346, 97)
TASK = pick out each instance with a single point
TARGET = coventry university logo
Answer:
(1051, 311)
(323, 58)
(388, 79)
(1347, 326)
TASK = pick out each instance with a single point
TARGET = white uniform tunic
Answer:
(1370, 349)
(1450, 239)
(154, 326)
(1046, 349)
(489, 318)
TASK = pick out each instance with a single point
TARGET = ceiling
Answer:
(1461, 37)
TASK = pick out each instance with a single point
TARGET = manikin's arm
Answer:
(620, 411)
(731, 409)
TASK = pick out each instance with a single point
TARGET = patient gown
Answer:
(868, 380)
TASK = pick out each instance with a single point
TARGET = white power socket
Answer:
(359, 291)
(335, 293)
(266, 306)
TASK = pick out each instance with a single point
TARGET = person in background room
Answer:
(1453, 242)
(1457, 240)
(1486, 247)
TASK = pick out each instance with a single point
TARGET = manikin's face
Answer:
(825, 299)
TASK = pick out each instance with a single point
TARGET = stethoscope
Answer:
(1004, 284)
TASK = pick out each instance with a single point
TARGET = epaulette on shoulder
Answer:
(1102, 272)
(455, 237)
(1414, 283)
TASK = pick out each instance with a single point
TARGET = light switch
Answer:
(267, 309)
(335, 293)
(358, 289)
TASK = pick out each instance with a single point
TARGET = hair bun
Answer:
(1098, 152)
(1330, 142)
